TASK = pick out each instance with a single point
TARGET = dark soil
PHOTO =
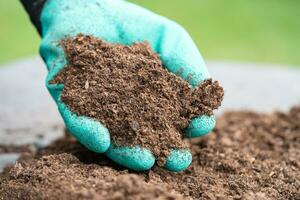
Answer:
(248, 156)
(129, 91)
(16, 148)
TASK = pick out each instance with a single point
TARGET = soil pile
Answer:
(129, 91)
(248, 156)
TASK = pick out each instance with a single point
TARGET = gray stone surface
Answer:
(258, 87)
(27, 112)
(28, 115)
(7, 158)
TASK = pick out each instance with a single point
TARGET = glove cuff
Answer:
(34, 9)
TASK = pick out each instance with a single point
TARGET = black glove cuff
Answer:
(34, 9)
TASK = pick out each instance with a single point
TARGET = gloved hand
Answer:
(118, 21)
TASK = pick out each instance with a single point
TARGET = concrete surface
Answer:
(28, 115)
(8, 158)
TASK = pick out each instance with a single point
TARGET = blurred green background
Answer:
(239, 30)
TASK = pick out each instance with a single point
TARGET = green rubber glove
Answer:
(118, 21)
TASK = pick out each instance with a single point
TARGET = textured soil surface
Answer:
(248, 156)
(129, 91)
(16, 148)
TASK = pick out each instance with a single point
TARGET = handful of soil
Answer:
(128, 90)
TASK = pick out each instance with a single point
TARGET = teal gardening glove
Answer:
(118, 21)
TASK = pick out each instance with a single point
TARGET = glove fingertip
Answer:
(200, 126)
(90, 133)
(135, 158)
(178, 160)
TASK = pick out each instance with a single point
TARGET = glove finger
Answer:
(90, 133)
(136, 158)
(178, 160)
(176, 48)
(181, 56)
(200, 126)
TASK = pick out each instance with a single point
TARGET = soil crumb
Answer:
(132, 94)
(248, 156)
